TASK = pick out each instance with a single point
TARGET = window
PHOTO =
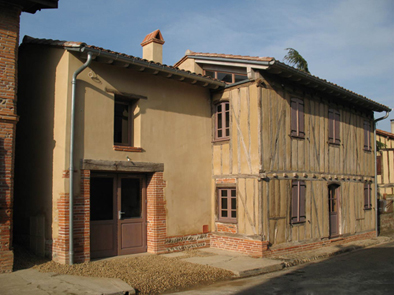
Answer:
(297, 118)
(227, 198)
(298, 214)
(123, 121)
(367, 135)
(367, 196)
(222, 120)
(333, 126)
(379, 165)
(226, 77)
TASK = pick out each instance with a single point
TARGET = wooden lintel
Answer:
(123, 166)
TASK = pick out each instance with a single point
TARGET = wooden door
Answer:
(131, 197)
(103, 219)
(333, 205)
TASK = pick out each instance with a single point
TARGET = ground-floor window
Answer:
(227, 198)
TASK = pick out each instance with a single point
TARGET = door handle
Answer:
(120, 214)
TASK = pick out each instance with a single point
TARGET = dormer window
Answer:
(226, 76)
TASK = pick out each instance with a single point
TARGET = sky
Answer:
(347, 42)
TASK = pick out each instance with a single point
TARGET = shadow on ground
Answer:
(24, 258)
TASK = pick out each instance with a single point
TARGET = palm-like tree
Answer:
(296, 60)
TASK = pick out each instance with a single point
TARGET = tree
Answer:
(293, 58)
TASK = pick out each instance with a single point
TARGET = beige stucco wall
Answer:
(175, 122)
(190, 65)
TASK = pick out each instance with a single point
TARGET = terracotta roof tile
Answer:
(385, 133)
(155, 36)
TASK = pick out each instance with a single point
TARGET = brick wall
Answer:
(250, 247)
(226, 228)
(9, 39)
(182, 243)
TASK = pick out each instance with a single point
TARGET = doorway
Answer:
(333, 205)
(117, 214)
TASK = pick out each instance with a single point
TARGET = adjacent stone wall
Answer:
(9, 39)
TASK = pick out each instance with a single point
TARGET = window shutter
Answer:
(330, 125)
(302, 201)
(366, 191)
(294, 201)
(293, 116)
(366, 135)
(337, 126)
(379, 165)
(369, 196)
(301, 118)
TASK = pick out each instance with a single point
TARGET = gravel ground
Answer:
(148, 274)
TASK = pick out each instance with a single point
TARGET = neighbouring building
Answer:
(385, 178)
(10, 11)
(233, 152)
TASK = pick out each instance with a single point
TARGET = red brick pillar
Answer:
(9, 39)
(156, 213)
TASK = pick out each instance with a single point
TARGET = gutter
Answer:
(71, 170)
(376, 171)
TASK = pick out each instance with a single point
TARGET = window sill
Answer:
(124, 148)
(366, 209)
(334, 144)
(368, 150)
(298, 223)
(297, 137)
(221, 140)
(227, 221)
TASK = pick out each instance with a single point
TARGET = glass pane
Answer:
(219, 108)
(219, 120)
(233, 193)
(210, 74)
(224, 193)
(227, 119)
(234, 214)
(227, 132)
(121, 123)
(220, 133)
(225, 77)
(238, 78)
(224, 213)
(227, 106)
(224, 203)
(101, 198)
(233, 203)
(131, 203)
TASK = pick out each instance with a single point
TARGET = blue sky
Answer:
(347, 42)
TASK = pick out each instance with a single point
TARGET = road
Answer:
(366, 271)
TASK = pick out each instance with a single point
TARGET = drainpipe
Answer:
(71, 170)
(376, 172)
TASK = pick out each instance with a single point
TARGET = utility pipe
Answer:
(71, 170)
(376, 172)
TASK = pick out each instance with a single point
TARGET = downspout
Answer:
(376, 172)
(71, 170)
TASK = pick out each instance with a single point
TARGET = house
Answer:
(10, 11)
(385, 178)
(233, 152)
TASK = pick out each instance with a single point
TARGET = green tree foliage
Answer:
(293, 58)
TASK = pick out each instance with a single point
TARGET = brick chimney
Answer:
(152, 47)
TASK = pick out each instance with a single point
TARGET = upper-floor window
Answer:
(226, 76)
(333, 126)
(297, 118)
(298, 192)
(367, 135)
(123, 120)
(227, 198)
(222, 120)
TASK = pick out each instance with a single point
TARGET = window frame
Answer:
(224, 72)
(224, 128)
(334, 132)
(297, 118)
(367, 196)
(367, 126)
(229, 208)
(298, 202)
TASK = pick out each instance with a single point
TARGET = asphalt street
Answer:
(366, 271)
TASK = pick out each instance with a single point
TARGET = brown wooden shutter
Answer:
(366, 135)
(379, 165)
(331, 125)
(294, 201)
(301, 118)
(293, 115)
(366, 198)
(302, 198)
(337, 127)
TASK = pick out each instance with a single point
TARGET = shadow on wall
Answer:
(5, 206)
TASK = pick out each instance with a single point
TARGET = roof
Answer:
(32, 6)
(385, 133)
(284, 71)
(155, 36)
(128, 61)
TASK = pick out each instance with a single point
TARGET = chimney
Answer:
(392, 125)
(152, 47)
